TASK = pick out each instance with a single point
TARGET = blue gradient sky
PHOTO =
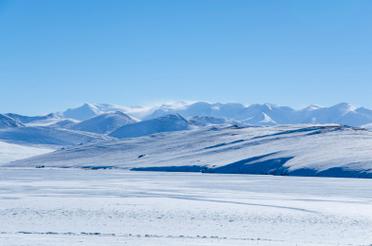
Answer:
(56, 54)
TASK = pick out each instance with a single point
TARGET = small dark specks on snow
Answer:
(139, 235)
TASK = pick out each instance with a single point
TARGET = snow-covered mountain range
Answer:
(206, 137)
(256, 114)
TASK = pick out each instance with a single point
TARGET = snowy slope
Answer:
(64, 123)
(83, 112)
(206, 121)
(48, 136)
(261, 119)
(35, 120)
(166, 123)
(52, 120)
(104, 123)
(7, 122)
(11, 152)
(317, 150)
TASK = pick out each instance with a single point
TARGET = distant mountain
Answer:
(269, 114)
(88, 110)
(104, 123)
(64, 123)
(138, 112)
(167, 123)
(258, 113)
(32, 119)
(218, 110)
(231, 111)
(83, 112)
(261, 119)
(206, 121)
(8, 122)
(255, 114)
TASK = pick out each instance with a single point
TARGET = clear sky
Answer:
(57, 54)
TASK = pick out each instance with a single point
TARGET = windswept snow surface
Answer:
(43, 207)
(11, 152)
(302, 150)
(48, 136)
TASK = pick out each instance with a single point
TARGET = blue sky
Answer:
(57, 54)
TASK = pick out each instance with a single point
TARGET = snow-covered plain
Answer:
(115, 207)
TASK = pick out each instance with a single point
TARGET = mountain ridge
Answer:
(256, 114)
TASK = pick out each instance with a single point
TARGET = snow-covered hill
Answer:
(206, 121)
(35, 120)
(10, 152)
(48, 136)
(7, 122)
(64, 123)
(261, 119)
(104, 123)
(317, 150)
(55, 120)
(167, 123)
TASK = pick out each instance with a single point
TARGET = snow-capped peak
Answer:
(105, 123)
(311, 107)
(83, 112)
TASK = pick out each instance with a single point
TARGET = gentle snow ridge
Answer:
(320, 150)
